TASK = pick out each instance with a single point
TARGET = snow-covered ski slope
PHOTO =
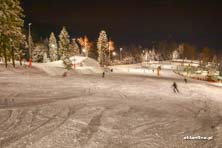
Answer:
(122, 110)
(137, 69)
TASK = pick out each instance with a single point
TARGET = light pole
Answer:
(30, 52)
(120, 54)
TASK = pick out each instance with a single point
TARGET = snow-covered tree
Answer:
(74, 48)
(45, 58)
(39, 52)
(189, 51)
(214, 65)
(53, 47)
(11, 23)
(63, 43)
(151, 55)
(102, 46)
(214, 61)
(181, 49)
(67, 63)
(19, 55)
(175, 54)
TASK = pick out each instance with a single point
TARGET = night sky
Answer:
(138, 21)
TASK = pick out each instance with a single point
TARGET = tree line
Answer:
(14, 43)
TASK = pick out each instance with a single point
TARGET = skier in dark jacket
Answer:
(175, 89)
(185, 80)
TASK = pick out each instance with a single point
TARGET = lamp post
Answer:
(120, 54)
(30, 52)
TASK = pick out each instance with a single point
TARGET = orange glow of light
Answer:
(111, 45)
(84, 42)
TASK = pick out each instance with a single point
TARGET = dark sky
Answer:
(136, 21)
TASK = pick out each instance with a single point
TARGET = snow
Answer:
(124, 109)
(136, 69)
(83, 65)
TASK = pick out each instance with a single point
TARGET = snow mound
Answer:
(83, 65)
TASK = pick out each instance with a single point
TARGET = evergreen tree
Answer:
(45, 57)
(214, 61)
(63, 43)
(102, 46)
(11, 24)
(206, 54)
(19, 55)
(67, 63)
(73, 48)
(53, 47)
(189, 51)
(38, 54)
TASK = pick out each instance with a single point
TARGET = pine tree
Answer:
(45, 57)
(53, 47)
(39, 52)
(63, 43)
(11, 24)
(102, 46)
(19, 55)
(73, 48)
(214, 61)
(67, 63)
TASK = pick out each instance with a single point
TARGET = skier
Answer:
(30, 63)
(103, 74)
(65, 73)
(175, 89)
(158, 71)
(185, 80)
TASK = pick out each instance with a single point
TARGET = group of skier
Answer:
(174, 86)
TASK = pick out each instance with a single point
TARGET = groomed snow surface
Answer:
(83, 65)
(129, 108)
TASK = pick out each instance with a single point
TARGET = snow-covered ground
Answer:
(83, 65)
(126, 109)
